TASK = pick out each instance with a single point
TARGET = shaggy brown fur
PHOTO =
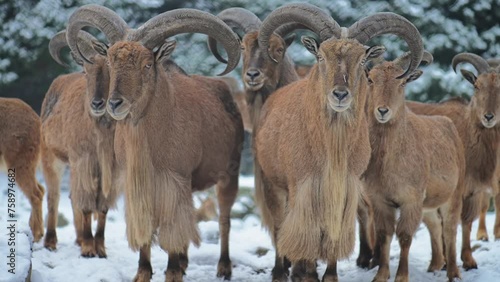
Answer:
(20, 154)
(313, 151)
(176, 134)
(87, 147)
(271, 76)
(480, 145)
(417, 163)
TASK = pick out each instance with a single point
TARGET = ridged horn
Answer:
(494, 63)
(58, 42)
(100, 17)
(236, 18)
(479, 63)
(154, 32)
(304, 14)
(390, 23)
(404, 60)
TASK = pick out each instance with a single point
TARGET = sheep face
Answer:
(386, 92)
(485, 101)
(341, 69)
(259, 69)
(97, 76)
(133, 77)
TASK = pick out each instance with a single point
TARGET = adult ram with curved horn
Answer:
(312, 140)
(262, 75)
(175, 133)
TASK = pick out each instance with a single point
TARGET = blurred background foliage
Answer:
(447, 27)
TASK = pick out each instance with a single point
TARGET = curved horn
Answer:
(100, 17)
(427, 58)
(404, 60)
(384, 23)
(236, 18)
(59, 41)
(286, 29)
(494, 63)
(305, 14)
(153, 32)
(479, 63)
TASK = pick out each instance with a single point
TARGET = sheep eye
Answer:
(320, 58)
(148, 66)
(242, 47)
(370, 81)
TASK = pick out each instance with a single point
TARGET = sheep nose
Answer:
(97, 103)
(489, 117)
(340, 94)
(115, 103)
(382, 111)
(253, 74)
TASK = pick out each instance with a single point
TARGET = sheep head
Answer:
(259, 70)
(340, 65)
(96, 73)
(485, 103)
(386, 91)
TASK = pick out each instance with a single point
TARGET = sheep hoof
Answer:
(173, 275)
(50, 241)
(483, 238)
(143, 275)
(36, 230)
(470, 265)
(279, 276)
(363, 261)
(401, 278)
(101, 250)
(88, 249)
(436, 266)
(224, 269)
(330, 278)
(382, 276)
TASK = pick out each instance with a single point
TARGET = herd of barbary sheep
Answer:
(330, 146)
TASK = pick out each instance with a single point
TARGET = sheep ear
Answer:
(289, 39)
(311, 44)
(414, 76)
(165, 51)
(374, 52)
(100, 47)
(469, 76)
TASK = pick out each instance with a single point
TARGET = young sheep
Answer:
(20, 154)
(479, 129)
(417, 165)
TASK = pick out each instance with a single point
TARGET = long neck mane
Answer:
(334, 134)
(481, 150)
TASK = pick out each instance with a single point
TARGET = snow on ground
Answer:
(250, 246)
